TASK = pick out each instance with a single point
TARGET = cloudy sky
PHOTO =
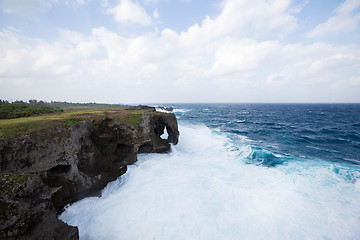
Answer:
(176, 51)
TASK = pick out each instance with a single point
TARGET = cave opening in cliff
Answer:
(165, 135)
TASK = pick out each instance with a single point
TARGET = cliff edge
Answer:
(46, 169)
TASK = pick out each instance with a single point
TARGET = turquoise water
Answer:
(325, 131)
(240, 171)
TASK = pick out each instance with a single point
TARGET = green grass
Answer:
(13, 128)
(22, 109)
(134, 118)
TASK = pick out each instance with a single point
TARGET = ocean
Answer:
(240, 171)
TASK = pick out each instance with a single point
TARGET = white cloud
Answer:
(314, 70)
(256, 17)
(156, 14)
(299, 7)
(129, 12)
(25, 6)
(217, 61)
(344, 20)
(242, 55)
(347, 7)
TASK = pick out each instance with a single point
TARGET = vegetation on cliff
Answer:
(17, 109)
(70, 105)
(22, 109)
(12, 128)
(50, 160)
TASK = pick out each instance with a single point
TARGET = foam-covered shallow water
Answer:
(220, 184)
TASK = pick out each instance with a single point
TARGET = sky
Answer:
(180, 51)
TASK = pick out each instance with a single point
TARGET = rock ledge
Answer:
(44, 171)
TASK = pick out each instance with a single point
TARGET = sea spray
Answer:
(207, 189)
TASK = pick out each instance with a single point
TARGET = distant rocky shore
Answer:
(44, 171)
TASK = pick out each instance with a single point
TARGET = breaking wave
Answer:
(212, 186)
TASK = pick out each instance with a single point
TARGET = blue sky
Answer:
(82, 16)
(147, 51)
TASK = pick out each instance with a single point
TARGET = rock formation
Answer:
(44, 171)
(168, 109)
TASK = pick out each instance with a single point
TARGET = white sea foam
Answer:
(161, 110)
(204, 190)
(181, 110)
(240, 121)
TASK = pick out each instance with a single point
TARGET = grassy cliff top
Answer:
(12, 128)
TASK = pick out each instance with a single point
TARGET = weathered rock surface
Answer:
(62, 165)
(169, 109)
(27, 211)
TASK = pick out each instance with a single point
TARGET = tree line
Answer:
(17, 109)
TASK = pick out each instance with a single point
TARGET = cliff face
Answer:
(44, 171)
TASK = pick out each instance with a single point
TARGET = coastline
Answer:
(44, 170)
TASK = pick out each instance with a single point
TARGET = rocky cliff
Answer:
(45, 170)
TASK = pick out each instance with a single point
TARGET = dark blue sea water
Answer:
(240, 171)
(310, 131)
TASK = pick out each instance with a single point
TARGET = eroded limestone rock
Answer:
(64, 165)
